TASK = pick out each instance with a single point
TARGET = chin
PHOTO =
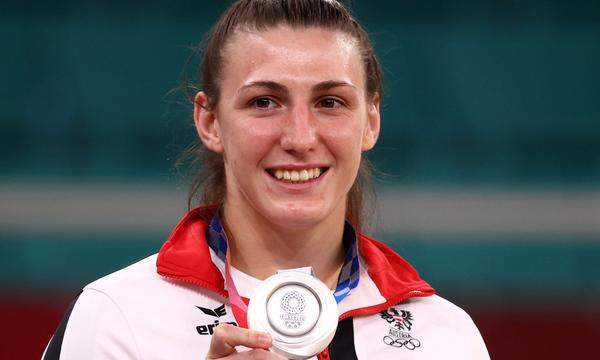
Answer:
(296, 216)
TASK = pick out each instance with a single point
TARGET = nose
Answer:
(299, 131)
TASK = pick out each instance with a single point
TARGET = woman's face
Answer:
(292, 121)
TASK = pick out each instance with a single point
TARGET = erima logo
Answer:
(218, 312)
(209, 328)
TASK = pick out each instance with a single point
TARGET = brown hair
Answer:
(208, 183)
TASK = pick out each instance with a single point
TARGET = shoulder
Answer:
(129, 288)
(135, 312)
(95, 322)
(426, 327)
(93, 327)
(140, 287)
(141, 273)
(449, 321)
(443, 312)
(441, 307)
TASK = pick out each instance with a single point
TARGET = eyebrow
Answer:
(275, 86)
(271, 85)
(330, 84)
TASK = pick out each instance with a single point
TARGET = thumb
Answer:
(226, 337)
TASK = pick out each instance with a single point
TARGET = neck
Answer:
(259, 248)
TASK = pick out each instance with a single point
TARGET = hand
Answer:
(226, 337)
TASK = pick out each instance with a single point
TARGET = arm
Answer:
(474, 345)
(92, 328)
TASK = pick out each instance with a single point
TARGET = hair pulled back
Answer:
(208, 184)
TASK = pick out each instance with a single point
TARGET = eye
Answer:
(330, 103)
(263, 103)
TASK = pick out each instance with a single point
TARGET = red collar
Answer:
(185, 256)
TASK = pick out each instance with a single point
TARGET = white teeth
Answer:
(296, 175)
(303, 175)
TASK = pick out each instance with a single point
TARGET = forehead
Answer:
(297, 55)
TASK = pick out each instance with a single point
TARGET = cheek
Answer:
(247, 142)
(344, 138)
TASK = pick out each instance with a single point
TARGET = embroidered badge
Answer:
(400, 323)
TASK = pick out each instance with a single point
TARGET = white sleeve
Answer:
(474, 345)
(95, 329)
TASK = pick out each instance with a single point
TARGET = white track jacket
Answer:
(167, 305)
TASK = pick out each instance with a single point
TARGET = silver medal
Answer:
(299, 312)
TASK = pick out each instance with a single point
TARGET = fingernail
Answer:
(264, 339)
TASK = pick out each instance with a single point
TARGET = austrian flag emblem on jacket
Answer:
(400, 324)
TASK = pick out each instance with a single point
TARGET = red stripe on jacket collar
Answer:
(185, 256)
(392, 274)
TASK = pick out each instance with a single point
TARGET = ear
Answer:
(206, 124)
(371, 132)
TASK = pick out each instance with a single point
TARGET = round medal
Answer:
(299, 312)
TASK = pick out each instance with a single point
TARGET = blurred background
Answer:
(490, 156)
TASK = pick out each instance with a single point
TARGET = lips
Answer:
(297, 175)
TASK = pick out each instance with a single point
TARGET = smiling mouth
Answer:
(297, 176)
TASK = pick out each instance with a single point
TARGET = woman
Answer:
(290, 101)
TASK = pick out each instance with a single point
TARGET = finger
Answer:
(256, 354)
(226, 337)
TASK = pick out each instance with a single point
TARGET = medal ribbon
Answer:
(347, 281)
